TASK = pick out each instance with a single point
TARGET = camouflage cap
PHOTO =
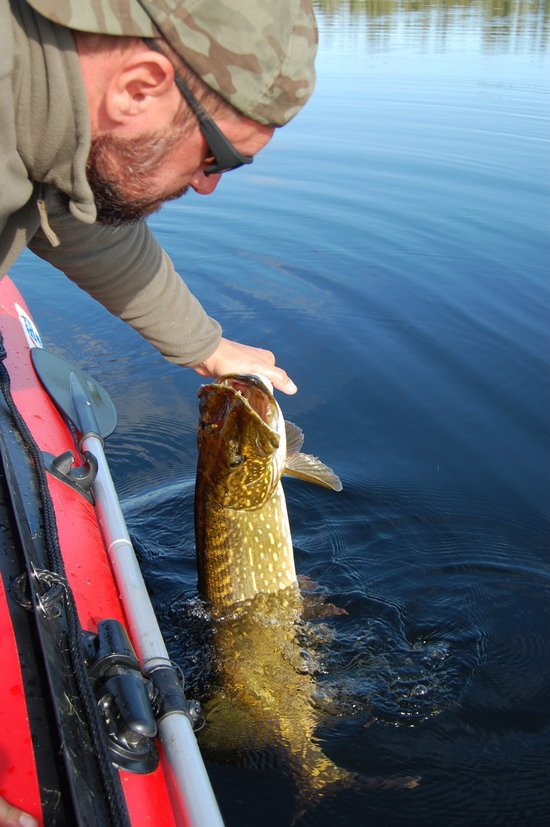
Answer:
(257, 54)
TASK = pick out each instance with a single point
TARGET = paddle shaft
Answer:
(181, 750)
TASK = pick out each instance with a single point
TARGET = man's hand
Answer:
(232, 357)
(12, 817)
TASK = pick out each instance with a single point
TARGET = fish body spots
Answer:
(242, 553)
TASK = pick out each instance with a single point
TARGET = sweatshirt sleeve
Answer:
(126, 270)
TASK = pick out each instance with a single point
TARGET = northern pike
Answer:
(265, 703)
(243, 540)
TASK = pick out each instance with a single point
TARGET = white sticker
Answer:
(29, 328)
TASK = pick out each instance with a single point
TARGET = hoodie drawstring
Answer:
(52, 237)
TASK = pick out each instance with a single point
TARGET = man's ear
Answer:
(140, 89)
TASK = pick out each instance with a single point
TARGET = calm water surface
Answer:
(392, 246)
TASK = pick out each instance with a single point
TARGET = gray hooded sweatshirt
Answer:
(47, 204)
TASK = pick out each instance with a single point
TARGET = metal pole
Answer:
(180, 747)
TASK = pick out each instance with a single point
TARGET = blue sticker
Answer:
(29, 328)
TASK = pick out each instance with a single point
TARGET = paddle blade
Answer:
(60, 379)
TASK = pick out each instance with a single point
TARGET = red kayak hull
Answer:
(89, 572)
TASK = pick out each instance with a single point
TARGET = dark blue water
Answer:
(391, 245)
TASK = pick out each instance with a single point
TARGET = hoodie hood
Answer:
(50, 108)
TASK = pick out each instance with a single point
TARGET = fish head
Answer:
(241, 440)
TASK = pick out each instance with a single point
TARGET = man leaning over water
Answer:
(99, 127)
(108, 109)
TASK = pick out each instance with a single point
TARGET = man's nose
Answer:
(204, 184)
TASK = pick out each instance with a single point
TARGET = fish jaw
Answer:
(241, 442)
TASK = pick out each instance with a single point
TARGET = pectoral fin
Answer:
(294, 438)
(305, 466)
(311, 469)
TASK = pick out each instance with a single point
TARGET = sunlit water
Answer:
(392, 246)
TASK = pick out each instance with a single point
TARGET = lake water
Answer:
(391, 245)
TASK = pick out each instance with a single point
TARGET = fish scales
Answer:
(242, 553)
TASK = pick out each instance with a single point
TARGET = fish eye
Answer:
(236, 461)
(209, 426)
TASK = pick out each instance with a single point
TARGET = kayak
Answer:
(95, 728)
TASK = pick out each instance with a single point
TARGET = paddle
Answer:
(77, 395)
(87, 405)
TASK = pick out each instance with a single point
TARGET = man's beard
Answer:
(121, 172)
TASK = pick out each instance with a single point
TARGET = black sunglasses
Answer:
(224, 155)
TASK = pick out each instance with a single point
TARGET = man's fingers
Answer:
(233, 357)
(12, 817)
(279, 379)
